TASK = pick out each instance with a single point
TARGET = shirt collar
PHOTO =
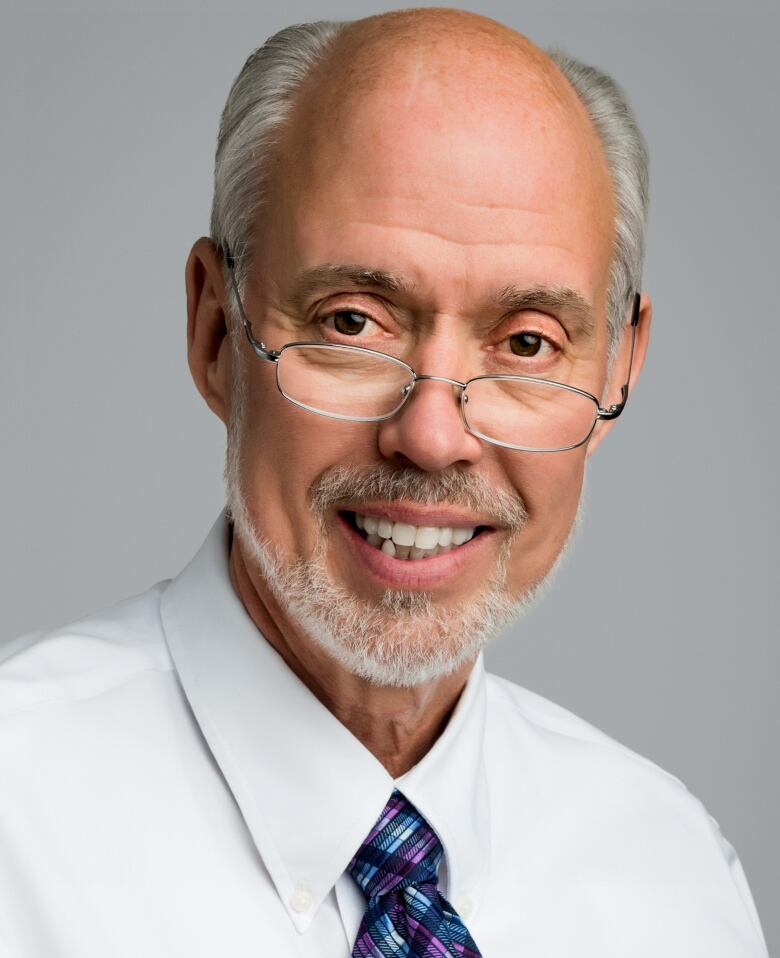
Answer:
(308, 790)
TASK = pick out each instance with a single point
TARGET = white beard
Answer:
(405, 638)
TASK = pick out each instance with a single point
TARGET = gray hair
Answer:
(262, 97)
(628, 161)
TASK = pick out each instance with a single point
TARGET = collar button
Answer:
(301, 900)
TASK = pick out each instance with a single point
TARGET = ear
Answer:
(208, 344)
(618, 373)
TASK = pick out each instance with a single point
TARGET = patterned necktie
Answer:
(397, 868)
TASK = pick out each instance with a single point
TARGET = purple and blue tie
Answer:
(397, 868)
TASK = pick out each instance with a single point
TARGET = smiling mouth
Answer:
(400, 540)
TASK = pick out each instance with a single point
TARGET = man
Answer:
(418, 314)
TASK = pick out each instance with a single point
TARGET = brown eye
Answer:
(348, 323)
(525, 344)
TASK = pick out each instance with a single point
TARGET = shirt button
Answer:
(301, 900)
(463, 906)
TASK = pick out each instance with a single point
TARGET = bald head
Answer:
(441, 120)
(442, 65)
(442, 40)
(430, 100)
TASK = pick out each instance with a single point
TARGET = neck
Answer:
(397, 725)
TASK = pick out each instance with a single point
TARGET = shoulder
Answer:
(519, 711)
(563, 754)
(86, 658)
(571, 765)
(620, 824)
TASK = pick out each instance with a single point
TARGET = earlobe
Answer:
(208, 346)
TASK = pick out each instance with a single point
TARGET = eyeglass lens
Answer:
(354, 384)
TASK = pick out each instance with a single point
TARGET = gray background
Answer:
(662, 627)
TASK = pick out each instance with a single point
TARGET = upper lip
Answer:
(417, 514)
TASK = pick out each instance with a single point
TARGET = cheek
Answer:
(284, 450)
(274, 466)
(551, 485)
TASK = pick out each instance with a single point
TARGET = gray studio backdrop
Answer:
(662, 627)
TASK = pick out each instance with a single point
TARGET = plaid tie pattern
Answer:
(397, 868)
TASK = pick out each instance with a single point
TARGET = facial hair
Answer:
(406, 637)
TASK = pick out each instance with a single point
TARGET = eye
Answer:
(347, 322)
(526, 344)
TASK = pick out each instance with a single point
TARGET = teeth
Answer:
(403, 535)
(370, 523)
(404, 541)
(445, 536)
(459, 536)
(427, 537)
(385, 529)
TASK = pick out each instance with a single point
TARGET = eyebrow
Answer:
(575, 312)
(329, 275)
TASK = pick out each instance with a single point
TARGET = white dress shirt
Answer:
(169, 788)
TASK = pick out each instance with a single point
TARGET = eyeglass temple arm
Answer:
(270, 355)
(617, 408)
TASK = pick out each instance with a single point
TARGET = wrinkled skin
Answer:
(464, 165)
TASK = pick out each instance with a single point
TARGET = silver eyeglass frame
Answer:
(274, 355)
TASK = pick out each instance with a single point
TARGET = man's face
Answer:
(461, 180)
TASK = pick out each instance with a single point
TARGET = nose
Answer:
(428, 432)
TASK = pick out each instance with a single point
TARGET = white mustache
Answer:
(342, 483)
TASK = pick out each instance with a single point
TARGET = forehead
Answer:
(462, 159)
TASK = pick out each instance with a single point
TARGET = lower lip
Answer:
(412, 573)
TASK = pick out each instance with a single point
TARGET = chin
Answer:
(401, 639)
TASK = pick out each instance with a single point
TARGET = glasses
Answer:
(356, 384)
